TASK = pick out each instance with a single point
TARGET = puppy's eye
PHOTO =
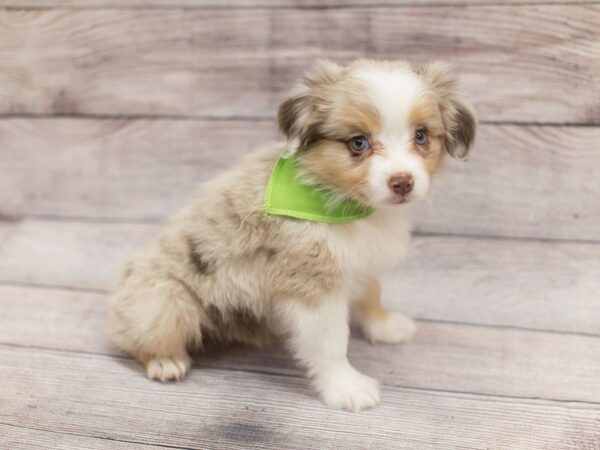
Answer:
(359, 144)
(420, 137)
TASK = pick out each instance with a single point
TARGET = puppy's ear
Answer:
(462, 135)
(458, 115)
(292, 117)
(299, 114)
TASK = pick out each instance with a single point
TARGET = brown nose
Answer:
(402, 183)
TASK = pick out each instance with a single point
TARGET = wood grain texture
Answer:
(54, 318)
(495, 282)
(72, 254)
(517, 63)
(101, 396)
(536, 182)
(500, 282)
(115, 168)
(540, 182)
(449, 357)
(18, 438)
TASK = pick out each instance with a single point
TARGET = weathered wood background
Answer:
(111, 111)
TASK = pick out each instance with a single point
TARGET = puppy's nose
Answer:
(402, 183)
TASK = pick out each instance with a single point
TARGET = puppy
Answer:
(287, 246)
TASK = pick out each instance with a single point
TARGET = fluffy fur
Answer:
(224, 271)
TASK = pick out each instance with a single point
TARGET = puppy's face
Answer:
(376, 131)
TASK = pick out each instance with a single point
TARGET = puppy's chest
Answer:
(370, 246)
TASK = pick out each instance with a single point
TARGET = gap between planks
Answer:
(185, 6)
(57, 439)
(257, 118)
(16, 219)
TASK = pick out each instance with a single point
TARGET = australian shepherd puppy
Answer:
(225, 270)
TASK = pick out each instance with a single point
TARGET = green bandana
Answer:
(286, 196)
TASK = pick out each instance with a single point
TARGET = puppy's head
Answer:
(376, 131)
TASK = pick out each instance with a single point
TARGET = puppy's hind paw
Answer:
(168, 369)
(395, 328)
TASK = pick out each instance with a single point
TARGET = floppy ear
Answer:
(462, 134)
(297, 115)
(292, 118)
(458, 115)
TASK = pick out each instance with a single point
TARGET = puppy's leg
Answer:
(378, 324)
(156, 326)
(319, 340)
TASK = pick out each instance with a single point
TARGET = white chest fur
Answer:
(371, 245)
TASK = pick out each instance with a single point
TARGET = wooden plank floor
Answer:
(515, 364)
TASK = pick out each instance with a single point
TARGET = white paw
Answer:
(394, 329)
(348, 389)
(168, 369)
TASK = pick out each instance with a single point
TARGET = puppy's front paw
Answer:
(347, 388)
(393, 329)
(168, 369)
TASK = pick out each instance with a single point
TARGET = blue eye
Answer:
(420, 137)
(359, 144)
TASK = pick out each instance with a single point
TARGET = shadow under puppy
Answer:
(289, 243)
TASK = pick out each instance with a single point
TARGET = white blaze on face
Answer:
(394, 93)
